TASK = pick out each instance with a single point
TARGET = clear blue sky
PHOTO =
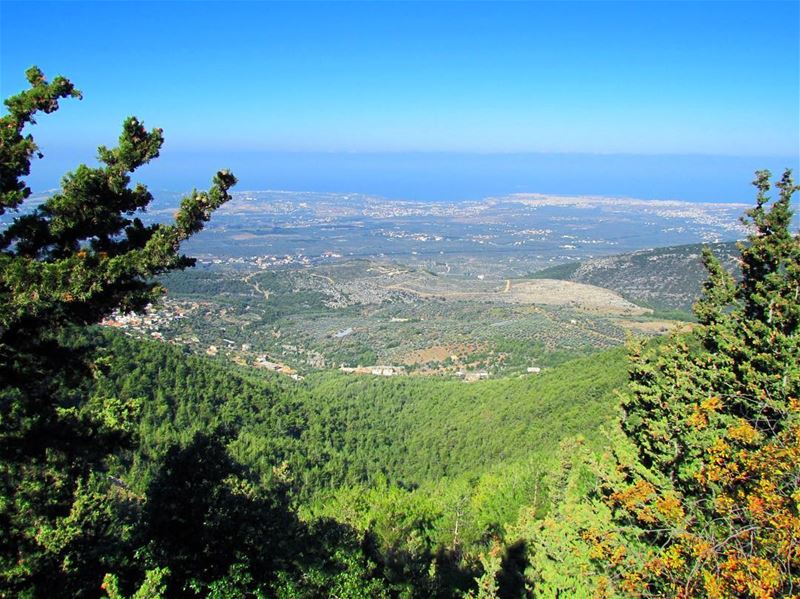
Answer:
(306, 79)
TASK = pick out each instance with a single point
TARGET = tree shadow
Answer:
(511, 577)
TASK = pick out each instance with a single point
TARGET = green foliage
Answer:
(71, 261)
(368, 451)
(182, 395)
(714, 419)
(335, 430)
(562, 548)
(19, 149)
(417, 430)
(153, 587)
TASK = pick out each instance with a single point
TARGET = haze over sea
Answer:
(459, 176)
(456, 176)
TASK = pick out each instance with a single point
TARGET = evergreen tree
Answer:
(714, 418)
(203, 519)
(69, 262)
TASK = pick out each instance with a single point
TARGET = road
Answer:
(256, 286)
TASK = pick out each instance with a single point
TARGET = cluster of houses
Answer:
(373, 370)
(263, 362)
(272, 261)
(471, 376)
(150, 320)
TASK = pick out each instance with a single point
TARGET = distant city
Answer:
(496, 237)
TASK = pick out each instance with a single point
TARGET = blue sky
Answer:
(352, 81)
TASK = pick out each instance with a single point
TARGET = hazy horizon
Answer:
(446, 176)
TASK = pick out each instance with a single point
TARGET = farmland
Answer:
(365, 313)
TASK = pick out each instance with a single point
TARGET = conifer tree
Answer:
(83, 253)
(714, 417)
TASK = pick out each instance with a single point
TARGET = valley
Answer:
(504, 287)
(364, 314)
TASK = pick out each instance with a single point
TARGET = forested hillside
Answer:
(332, 430)
(415, 430)
(430, 473)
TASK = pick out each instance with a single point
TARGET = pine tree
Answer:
(714, 418)
(80, 255)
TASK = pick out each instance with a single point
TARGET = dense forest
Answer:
(136, 469)
(336, 429)
(407, 462)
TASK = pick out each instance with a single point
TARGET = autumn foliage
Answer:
(711, 505)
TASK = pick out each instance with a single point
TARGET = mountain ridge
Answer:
(663, 278)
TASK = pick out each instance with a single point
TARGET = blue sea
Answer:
(448, 176)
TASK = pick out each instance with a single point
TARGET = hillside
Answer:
(415, 429)
(333, 429)
(370, 449)
(668, 278)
